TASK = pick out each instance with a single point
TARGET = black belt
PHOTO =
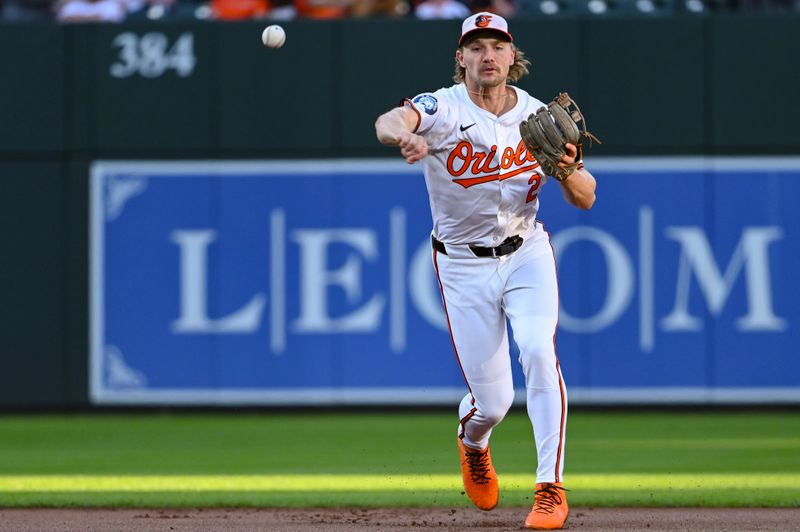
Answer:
(509, 245)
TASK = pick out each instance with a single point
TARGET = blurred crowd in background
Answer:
(119, 10)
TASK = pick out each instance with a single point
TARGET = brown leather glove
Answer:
(547, 131)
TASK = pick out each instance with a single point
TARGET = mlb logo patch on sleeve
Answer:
(428, 103)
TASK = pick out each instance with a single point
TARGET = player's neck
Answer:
(496, 100)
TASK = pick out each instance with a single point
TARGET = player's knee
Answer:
(495, 410)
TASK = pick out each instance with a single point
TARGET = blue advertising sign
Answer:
(305, 283)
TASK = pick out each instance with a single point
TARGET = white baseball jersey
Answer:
(483, 183)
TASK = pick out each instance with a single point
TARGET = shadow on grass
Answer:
(688, 497)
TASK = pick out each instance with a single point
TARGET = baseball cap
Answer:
(484, 21)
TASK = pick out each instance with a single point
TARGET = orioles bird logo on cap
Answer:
(483, 21)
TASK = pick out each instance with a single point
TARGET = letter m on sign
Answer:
(751, 256)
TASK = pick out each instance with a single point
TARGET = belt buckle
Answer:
(494, 253)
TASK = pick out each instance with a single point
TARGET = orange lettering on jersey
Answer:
(464, 157)
(487, 167)
(534, 181)
(508, 158)
(478, 157)
(459, 159)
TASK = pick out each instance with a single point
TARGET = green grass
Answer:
(332, 459)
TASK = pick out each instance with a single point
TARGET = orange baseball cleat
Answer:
(480, 478)
(550, 509)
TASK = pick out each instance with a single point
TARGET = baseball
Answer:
(273, 36)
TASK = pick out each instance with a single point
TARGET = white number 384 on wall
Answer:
(150, 55)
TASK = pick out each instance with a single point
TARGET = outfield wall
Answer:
(190, 91)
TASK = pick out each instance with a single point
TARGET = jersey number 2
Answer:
(534, 181)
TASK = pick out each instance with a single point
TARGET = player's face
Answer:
(487, 61)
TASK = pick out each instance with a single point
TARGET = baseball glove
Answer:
(548, 130)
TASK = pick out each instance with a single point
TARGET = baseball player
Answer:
(492, 257)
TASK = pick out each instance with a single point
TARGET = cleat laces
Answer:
(547, 498)
(479, 464)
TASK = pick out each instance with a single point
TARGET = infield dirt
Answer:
(394, 519)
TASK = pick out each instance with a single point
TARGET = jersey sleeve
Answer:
(431, 108)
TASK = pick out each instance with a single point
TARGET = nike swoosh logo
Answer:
(464, 128)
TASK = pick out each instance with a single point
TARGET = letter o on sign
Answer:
(619, 279)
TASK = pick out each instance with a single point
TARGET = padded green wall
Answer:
(649, 86)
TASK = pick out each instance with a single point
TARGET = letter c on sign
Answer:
(619, 281)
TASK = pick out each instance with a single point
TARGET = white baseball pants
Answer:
(479, 294)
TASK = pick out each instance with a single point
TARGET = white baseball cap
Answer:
(484, 21)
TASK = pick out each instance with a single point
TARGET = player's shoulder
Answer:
(434, 102)
(442, 94)
(529, 102)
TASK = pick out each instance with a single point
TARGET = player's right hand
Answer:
(413, 147)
